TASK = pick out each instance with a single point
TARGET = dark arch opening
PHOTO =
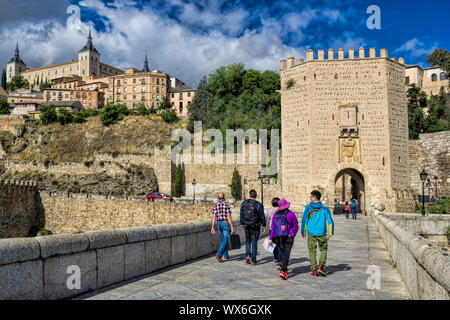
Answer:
(349, 184)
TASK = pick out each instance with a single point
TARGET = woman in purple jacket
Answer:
(283, 229)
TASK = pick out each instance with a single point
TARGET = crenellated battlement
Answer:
(337, 55)
(19, 183)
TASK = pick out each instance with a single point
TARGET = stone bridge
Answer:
(177, 262)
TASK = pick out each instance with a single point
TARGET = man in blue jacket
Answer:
(314, 226)
(253, 221)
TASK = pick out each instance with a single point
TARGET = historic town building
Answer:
(430, 80)
(346, 116)
(87, 65)
(94, 83)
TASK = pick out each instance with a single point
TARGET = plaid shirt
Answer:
(221, 211)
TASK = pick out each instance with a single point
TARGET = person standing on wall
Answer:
(253, 221)
(354, 208)
(314, 226)
(283, 229)
(277, 256)
(222, 218)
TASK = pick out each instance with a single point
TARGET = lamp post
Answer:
(423, 178)
(194, 183)
(264, 180)
(429, 186)
(436, 178)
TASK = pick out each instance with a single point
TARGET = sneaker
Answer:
(247, 260)
(254, 263)
(314, 273)
(321, 270)
(284, 275)
(219, 258)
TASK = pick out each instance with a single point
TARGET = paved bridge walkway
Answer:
(356, 246)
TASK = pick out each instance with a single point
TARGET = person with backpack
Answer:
(277, 255)
(346, 209)
(253, 221)
(354, 208)
(222, 217)
(314, 226)
(283, 229)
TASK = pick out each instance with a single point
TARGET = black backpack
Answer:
(250, 216)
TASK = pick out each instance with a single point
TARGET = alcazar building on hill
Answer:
(92, 83)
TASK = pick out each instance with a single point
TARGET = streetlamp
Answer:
(436, 178)
(264, 180)
(429, 186)
(423, 177)
(194, 183)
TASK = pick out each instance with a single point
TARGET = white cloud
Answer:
(416, 48)
(172, 47)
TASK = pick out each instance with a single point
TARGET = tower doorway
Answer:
(349, 184)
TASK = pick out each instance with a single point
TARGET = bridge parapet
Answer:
(423, 265)
(45, 267)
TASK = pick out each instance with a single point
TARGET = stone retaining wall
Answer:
(78, 213)
(424, 267)
(39, 268)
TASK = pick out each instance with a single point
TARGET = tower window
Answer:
(407, 81)
(443, 76)
(434, 77)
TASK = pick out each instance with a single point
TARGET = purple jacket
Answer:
(292, 225)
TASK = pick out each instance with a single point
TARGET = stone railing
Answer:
(424, 267)
(45, 267)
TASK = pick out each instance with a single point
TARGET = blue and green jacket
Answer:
(317, 224)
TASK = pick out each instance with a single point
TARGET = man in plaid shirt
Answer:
(221, 213)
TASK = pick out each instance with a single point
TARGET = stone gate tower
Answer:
(346, 116)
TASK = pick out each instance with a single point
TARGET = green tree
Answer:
(17, 82)
(236, 185)
(112, 114)
(438, 112)
(142, 110)
(201, 103)
(3, 83)
(179, 181)
(4, 107)
(45, 85)
(235, 98)
(64, 116)
(48, 115)
(441, 58)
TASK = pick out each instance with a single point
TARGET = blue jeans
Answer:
(224, 233)
(251, 242)
(354, 214)
(278, 254)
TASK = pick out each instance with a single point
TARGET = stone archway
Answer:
(349, 183)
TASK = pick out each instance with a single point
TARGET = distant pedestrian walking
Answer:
(314, 227)
(253, 221)
(222, 218)
(346, 209)
(283, 229)
(354, 208)
(277, 256)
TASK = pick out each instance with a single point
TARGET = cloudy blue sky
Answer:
(189, 39)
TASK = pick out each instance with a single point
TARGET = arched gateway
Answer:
(345, 129)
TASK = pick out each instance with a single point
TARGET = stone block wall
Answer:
(20, 209)
(424, 267)
(431, 152)
(40, 268)
(78, 213)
